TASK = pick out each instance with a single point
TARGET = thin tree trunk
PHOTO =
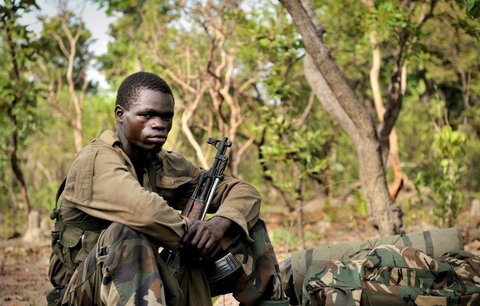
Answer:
(339, 100)
(300, 204)
(379, 107)
(17, 170)
(77, 99)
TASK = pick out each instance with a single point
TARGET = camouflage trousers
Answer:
(125, 268)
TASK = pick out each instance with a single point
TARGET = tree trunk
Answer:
(15, 75)
(33, 233)
(300, 203)
(380, 108)
(339, 100)
(17, 170)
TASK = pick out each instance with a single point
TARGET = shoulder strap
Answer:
(59, 191)
(54, 212)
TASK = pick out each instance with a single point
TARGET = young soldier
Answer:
(120, 204)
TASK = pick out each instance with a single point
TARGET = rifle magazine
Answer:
(223, 274)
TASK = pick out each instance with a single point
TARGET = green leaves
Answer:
(169, 38)
(289, 146)
(445, 173)
(473, 8)
(386, 16)
(19, 92)
(449, 143)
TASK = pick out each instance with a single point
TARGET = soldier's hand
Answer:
(205, 236)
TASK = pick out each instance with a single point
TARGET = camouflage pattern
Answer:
(261, 273)
(394, 272)
(150, 209)
(466, 266)
(125, 269)
(294, 269)
(340, 279)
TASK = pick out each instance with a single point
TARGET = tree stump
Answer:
(33, 233)
(475, 209)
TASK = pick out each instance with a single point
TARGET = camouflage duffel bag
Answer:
(434, 243)
(395, 275)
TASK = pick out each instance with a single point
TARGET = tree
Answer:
(230, 59)
(19, 93)
(396, 27)
(339, 100)
(296, 145)
(63, 63)
(196, 47)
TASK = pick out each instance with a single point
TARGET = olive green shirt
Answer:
(102, 183)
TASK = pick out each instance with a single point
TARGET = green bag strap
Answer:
(427, 236)
(406, 240)
(59, 191)
(54, 213)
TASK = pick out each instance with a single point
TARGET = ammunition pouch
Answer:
(72, 241)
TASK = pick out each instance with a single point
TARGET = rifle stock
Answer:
(196, 210)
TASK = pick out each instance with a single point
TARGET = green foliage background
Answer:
(292, 156)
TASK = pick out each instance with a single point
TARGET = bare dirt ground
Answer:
(23, 268)
(23, 273)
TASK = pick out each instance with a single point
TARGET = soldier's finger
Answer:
(203, 241)
(190, 233)
(200, 231)
(210, 246)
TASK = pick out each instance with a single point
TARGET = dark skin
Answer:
(142, 129)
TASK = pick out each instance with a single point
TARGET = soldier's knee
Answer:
(118, 229)
(117, 232)
(121, 247)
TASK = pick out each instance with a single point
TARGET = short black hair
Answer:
(130, 87)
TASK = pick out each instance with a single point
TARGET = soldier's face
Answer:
(145, 125)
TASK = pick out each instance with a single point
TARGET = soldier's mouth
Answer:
(156, 139)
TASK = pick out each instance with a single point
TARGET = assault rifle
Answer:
(202, 196)
(222, 272)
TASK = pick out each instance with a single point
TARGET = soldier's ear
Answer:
(119, 111)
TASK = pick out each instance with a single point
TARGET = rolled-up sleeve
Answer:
(238, 201)
(234, 199)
